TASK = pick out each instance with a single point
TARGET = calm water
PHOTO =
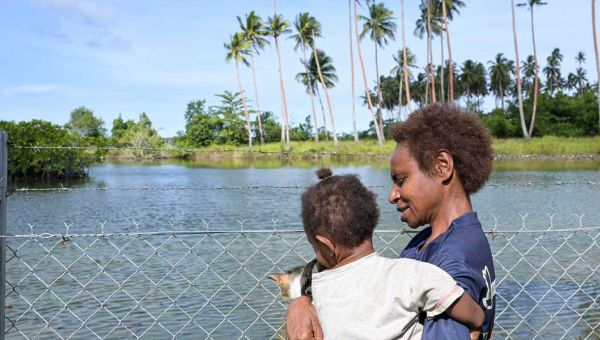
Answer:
(219, 282)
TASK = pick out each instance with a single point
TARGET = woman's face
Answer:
(417, 195)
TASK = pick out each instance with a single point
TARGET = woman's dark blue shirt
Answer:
(463, 252)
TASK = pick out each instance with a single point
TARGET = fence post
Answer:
(3, 198)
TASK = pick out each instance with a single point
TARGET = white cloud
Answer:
(31, 89)
(88, 10)
(110, 41)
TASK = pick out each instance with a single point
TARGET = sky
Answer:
(154, 56)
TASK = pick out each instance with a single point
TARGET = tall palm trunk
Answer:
(282, 88)
(430, 47)
(442, 67)
(518, 72)
(310, 93)
(501, 96)
(356, 141)
(400, 106)
(260, 129)
(329, 107)
(535, 81)
(380, 138)
(379, 99)
(450, 63)
(405, 62)
(597, 55)
(323, 112)
(237, 69)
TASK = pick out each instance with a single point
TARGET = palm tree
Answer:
(571, 83)
(552, 71)
(418, 88)
(323, 83)
(380, 138)
(356, 141)
(238, 49)
(531, 4)
(312, 78)
(474, 82)
(597, 55)
(448, 7)
(528, 68)
(430, 49)
(580, 58)
(580, 76)
(518, 72)
(431, 25)
(320, 70)
(402, 72)
(276, 26)
(379, 25)
(305, 26)
(500, 70)
(405, 61)
(580, 79)
(253, 30)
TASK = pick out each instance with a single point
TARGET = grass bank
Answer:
(549, 146)
(544, 147)
(538, 148)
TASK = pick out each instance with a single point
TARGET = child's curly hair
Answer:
(340, 208)
(446, 127)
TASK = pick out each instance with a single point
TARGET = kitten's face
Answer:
(289, 283)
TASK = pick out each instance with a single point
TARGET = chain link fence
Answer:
(214, 283)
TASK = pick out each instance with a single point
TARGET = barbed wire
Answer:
(280, 152)
(65, 236)
(258, 187)
(39, 148)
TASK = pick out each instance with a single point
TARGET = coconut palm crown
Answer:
(379, 25)
(307, 28)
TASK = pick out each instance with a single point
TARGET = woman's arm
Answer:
(466, 311)
(302, 322)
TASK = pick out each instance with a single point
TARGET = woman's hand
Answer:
(302, 322)
(474, 334)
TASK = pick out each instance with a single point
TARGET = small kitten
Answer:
(296, 281)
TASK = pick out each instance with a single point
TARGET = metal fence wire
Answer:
(214, 283)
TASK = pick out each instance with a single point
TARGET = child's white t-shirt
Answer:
(380, 298)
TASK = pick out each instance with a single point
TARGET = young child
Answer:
(362, 295)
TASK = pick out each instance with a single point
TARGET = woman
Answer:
(443, 155)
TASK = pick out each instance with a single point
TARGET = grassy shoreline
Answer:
(549, 147)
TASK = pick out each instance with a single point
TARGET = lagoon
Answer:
(230, 295)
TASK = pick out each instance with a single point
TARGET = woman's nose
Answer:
(394, 195)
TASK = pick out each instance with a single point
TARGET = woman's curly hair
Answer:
(341, 208)
(446, 127)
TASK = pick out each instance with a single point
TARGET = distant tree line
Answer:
(84, 129)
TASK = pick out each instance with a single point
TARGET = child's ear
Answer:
(326, 242)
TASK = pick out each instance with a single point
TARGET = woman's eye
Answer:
(400, 181)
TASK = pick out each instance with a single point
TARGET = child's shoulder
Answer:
(407, 267)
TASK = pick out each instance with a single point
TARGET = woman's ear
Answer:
(324, 241)
(444, 165)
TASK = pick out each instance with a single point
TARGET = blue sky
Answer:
(154, 56)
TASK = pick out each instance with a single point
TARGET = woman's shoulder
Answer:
(420, 237)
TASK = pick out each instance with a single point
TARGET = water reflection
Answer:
(345, 161)
(502, 205)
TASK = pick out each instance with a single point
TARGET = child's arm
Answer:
(437, 293)
(466, 311)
